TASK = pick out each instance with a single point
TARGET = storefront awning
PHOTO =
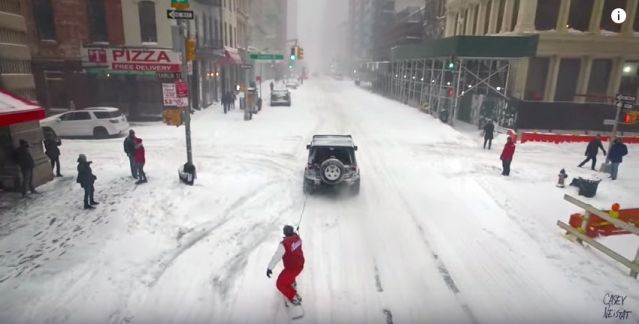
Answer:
(231, 56)
(14, 110)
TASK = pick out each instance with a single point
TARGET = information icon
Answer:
(618, 15)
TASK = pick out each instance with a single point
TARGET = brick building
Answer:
(57, 32)
(15, 57)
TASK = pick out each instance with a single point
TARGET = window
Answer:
(567, 79)
(76, 115)
(580, 13)
(636, 25)
(487, 18)
(226, 35)
(97, 21)
(148, 30)
(197, 28)
(547, 14)
(599, 76)
(607, 23)
(212, 31)
(500, 15)
(475, 30)
(536, 82)
(107, 114)
(43, 14)
(513, 22)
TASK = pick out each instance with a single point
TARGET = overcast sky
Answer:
(317, 29)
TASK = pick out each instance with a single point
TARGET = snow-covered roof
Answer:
(12, 104)
(15, 110)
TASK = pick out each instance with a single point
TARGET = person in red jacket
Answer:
(140, 159)
(507, 156)
(290, 251)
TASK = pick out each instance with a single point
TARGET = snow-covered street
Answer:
(436, 235)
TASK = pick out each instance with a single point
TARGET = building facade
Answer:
(15, 57)
(268, 34)
(582, 56)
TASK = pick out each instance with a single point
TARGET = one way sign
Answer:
(179, 14)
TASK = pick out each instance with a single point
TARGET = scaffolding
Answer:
(438, 75)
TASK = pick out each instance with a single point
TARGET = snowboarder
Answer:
(489, 129)
(290, 251)
(51, 144)
(617, 151)
(129, 149)
(86, 180)
(507, 156)
(562, 178)
(140, 160)
(24, 159)
(591, 151)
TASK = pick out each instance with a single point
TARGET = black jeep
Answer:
(331, 163)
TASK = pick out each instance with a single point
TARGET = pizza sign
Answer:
(134, 59)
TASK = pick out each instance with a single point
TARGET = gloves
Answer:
(269, 272)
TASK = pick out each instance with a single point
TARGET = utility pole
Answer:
(189, 168)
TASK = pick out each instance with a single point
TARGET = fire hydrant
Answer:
(562, 178)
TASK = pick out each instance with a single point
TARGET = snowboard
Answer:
(294, 311)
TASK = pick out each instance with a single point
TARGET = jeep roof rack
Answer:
(333, 140)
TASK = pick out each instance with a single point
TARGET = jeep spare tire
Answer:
(332, 171)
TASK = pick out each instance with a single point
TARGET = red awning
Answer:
(231, 56)
(14, 110)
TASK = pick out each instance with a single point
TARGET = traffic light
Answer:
(452, 65)
(300, 53)
(190, 49)
(631, 118)
(450, 92)
(293, 53)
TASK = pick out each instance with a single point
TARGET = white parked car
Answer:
(98, 122)
(292, 84)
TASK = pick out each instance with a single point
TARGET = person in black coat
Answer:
(24, 159)
(129, 149)
(226, 101)
(617, 151)
(86, 180)
(51, 144)
(591, 151)
(489, 130)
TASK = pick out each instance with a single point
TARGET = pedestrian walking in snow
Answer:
(140, 159)
(290, 252)
(226, 101)
(507, 156)
(51, 144)
(86, 180)
(233, 98)
(129, 149)
(489, 130)
(24, 159)
(271, 85)
(616, 154)
(591, 151)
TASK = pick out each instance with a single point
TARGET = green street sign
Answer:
(266, 57)
(180, 4)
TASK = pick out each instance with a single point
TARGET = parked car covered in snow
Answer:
(292, 84)
(331, 163)
(97, 122)
(281, 97)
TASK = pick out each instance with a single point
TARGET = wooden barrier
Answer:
(582, 237)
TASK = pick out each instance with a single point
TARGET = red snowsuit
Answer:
(290, 251)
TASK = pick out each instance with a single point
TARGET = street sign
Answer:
(609, 122)
(625, 98)
(246, 66)
(180, 4)
(266, 57)
(179, 14)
